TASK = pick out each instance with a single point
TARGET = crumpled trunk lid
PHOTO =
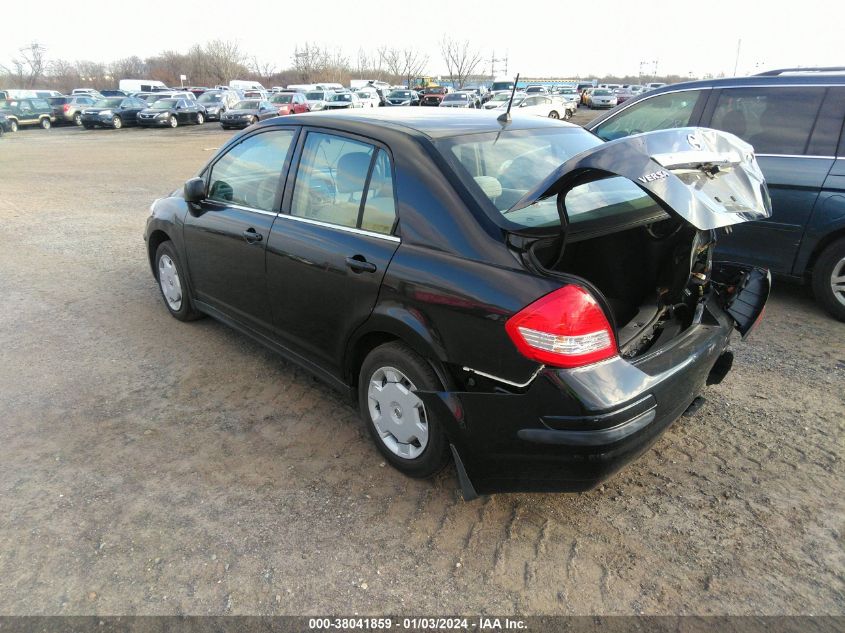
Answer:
(707, 177)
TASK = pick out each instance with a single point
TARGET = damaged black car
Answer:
(516, 297)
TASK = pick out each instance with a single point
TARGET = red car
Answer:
(432, 96)
(290, 103)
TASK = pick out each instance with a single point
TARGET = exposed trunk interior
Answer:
(652, 276)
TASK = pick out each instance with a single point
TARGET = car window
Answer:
(331, 179)
(249, 173)
(664, 111)
(773, 120)
(380, 204)
(828, 124)
(25, 107)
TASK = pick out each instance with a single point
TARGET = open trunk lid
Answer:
(708, 178)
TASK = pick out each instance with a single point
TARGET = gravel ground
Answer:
(153, 467)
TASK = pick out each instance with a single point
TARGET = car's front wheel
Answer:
(77, 119)
(173, 121)
(173, 284)
(408, 435)
(45, 123)
(829, 279)
(116, 122)
(200, 118)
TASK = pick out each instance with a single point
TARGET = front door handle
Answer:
(252, 236)
(359, 264)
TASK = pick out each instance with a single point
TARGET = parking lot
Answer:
(150, 466)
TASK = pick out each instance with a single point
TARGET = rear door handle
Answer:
(359, 264)
(252, 236)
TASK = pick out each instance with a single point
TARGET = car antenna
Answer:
(505, 117)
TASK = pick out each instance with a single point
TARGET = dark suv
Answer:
(22, 112)
(794, 120)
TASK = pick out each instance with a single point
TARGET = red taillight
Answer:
(66, 107)
(565, 328)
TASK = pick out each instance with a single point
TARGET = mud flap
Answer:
(743, 291)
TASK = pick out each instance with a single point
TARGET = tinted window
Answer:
(828, 124)
(773, 120)
(331, 179)
(249, 173)
(380, 205)
(664, 111)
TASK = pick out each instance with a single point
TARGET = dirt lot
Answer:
(153, 467)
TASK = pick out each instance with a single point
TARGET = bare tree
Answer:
(264, 70)
(224, 60)
(29, 66)
(127, 67)
(461, 60)
(403, 64)
(309, 61)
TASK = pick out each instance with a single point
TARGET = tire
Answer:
(173, 121)
(116, 122)
(13, 126)
(830, 265)
(397, 364)
(45, 123)
(77, 119)
(200, 118)
(253, 120)
(173, 284)
(554, 115)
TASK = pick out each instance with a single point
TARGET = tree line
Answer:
(219, 61)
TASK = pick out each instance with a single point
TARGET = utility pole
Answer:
(736, 61)
(495, 60)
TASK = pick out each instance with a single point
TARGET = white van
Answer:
(239, 84)
(141, 85)
(302, 87)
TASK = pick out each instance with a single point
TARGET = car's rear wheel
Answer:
(554, 115)
(200, 118)
(45, 123)
(173, 121)
(829, 279)
(117, 122)
(13, 126)
(173, 284)
(408, 435)
(77, 119)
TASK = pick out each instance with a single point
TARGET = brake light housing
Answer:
(565, 328)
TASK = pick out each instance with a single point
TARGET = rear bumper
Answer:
(570, 429)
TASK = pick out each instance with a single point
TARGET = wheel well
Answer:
(826, 241)
(370, 341)
(155, 240)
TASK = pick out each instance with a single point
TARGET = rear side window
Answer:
(250, 172)
(773, 120)
(670, 110)
(332, 184)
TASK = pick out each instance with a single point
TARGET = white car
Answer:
(316, 99)
(536, 105)
(501, 98)
(603, 98)
(458, 100)
(342, 101)
(369, 98)
(568, 103)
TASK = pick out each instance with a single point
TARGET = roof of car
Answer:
(432, 123)
(809, 78)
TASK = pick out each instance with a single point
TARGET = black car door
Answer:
(266, 110)
(330, 247)
(129, 111)
(226, 236)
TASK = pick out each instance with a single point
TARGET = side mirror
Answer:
(194, 190)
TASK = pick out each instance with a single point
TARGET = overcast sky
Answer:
(540, 38)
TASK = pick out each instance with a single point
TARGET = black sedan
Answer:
(247, 112)
(402, 98)
(112, 112)
(171, 113)
(514, 296)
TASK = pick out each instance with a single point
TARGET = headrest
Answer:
(352, 171)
